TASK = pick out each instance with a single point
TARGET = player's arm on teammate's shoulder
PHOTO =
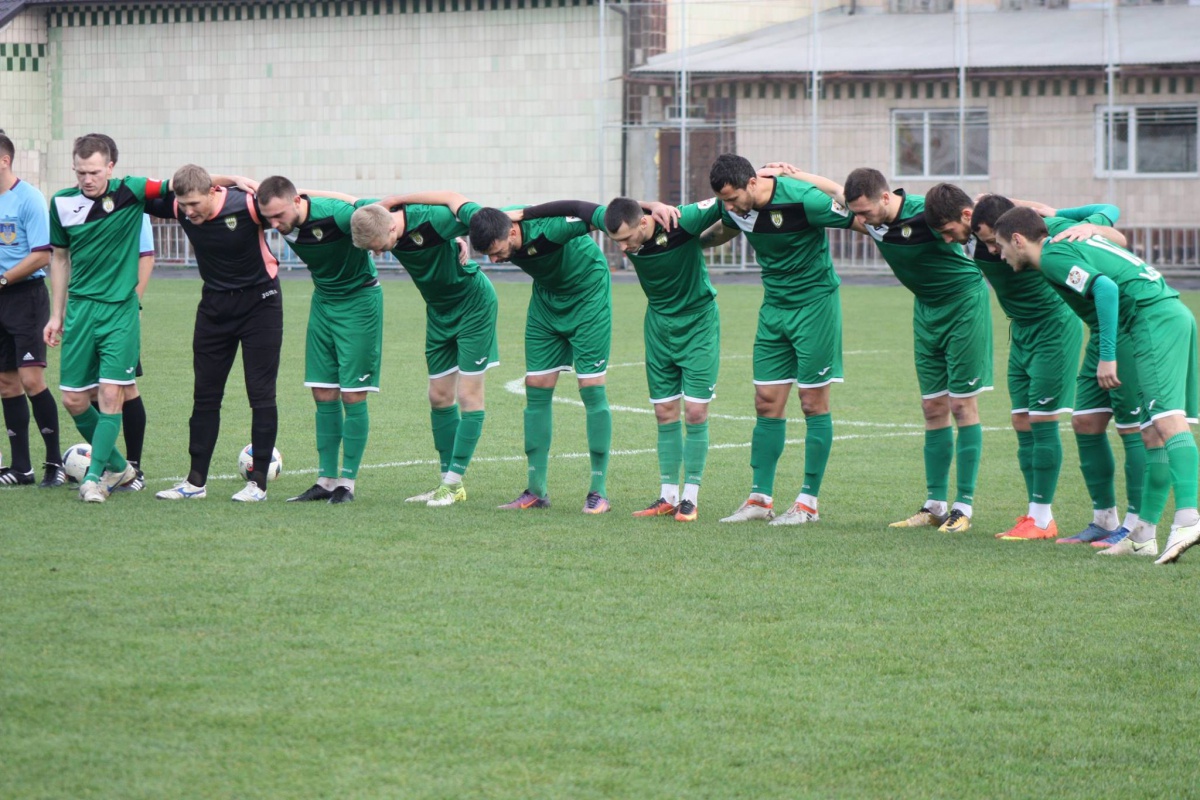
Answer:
(345, 198)
(826, 185)
(718, 234)
(1092, 220)
(1086, 230)
(60, 276)
(451, 200)
(583, 209)
(238, 181)
(1041, 208)
(663, 214)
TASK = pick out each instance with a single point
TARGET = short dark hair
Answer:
(988, 210)
(88, 145)
(730, 170)
(1024, 221)
(488, 226)
(6, 146)
(112, 145)
(865, 182)
(622, 211)
(275, 187)
(945, 203)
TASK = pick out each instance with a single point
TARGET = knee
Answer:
(696, 414)
(76, 402)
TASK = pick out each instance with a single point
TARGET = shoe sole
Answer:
(1172, 553)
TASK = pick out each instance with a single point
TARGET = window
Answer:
(926, 144)
(1146, 141)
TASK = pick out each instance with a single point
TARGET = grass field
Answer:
(212, 650)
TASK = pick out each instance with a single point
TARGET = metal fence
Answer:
(1172, 250)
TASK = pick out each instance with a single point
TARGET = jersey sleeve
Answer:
(564, 229)
(36, 219)
(825, 212)
(342, 211)
(699, 217)
(1066, 270)
(146, 240)
(1093, 214)
(466, 211)
(441, 218)
(58, 234)
(162, 207)
(146, 189)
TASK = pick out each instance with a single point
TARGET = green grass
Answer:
(208, 650)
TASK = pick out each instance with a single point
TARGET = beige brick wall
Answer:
(500, 105)
(24, 90)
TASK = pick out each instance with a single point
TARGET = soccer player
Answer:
(460, 326)
(1046, 337)
(682, 331)
(568, 324)
(133, 411)
(24, 311)
(799, 336)
(345, 328)
(94, 230)
(1131, 300)
(240, 304)
(1095, 406)
(952, 339)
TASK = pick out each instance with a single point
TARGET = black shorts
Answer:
(24, 312)
(252, 319)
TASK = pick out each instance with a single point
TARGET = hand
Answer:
(1042, 209)
(52, 334)
(777, 168)
(1077, 233)
(516, 215)
(1106, 375)
(464, 252)
(663, 214)
(245, 184)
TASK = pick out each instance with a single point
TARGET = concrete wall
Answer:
(500, 105)
(24, 90)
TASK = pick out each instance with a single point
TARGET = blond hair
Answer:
(369, 225)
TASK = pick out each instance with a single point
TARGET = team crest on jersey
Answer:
(107, 204)
(839, 209)
(777, 218)
(706, 203)
(231, 223)
(661, 239)
(318, 234)
(906, 231)
(417, 239)
(8, 232)
(531, 252)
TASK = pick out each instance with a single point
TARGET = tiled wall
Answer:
(24, 86)
(366, 97)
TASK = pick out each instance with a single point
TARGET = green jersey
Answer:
(1071, 268)
(322, 242)
(429, 253)
(1026, 296)
(103, 236)
(670, 265)
(556, 252)
(788, 237)
(934, 270)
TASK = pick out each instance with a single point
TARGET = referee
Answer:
(240, 304)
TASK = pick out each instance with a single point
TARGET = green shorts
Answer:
(344, 341)
(1164, 336)
(1124, 402)
(952, 345)
(563, 333)
(101, 343)
(801, 345)
(683, 355)
(1043, 360)
(463, 338)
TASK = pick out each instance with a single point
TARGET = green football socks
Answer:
(1157, 485)
(104, 451)
(818, 441)
(766, 446)
(1047, 461)
(1184, 461)
(695, 453)
(1135, 470)
(969, 453)
(939, 452)
(670, 452)
(354, 438)
(599, 434)
(444, 422)
(470, 428)
(1099, 468)
(539, 427)
(329, 437)
(1025, 461)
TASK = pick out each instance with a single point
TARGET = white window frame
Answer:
(1131, 171)
(896, 167)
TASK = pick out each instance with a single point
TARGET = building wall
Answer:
(24, 88)
(501, 105)
(1042, 137)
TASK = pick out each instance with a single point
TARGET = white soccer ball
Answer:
(76, 461)
(246, 463)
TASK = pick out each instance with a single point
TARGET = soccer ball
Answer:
(76, 461)
(246, 463)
